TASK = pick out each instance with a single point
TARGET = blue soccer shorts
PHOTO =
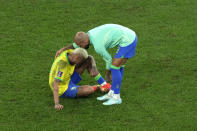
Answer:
(127, 51)
(71, 92)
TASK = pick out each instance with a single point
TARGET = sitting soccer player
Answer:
(65, 74)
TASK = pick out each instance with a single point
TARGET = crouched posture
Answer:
(65, 74)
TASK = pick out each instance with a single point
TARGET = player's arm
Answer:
(93, 71)
(58, 106)
(59, 76)
(108, 59)
(63, 49)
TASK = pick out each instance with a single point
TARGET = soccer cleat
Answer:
(105, 87)
(105, 97)
(113, 101)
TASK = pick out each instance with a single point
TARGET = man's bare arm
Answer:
(63, 49)
(93, 63)
(93, 70)
(56, 95)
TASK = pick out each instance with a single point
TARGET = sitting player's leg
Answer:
(85, 90)
(74, 90)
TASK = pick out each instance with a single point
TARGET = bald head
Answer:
(82, 39)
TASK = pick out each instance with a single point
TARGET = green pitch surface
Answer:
(159, 88)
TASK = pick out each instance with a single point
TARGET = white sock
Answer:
(116, 96)
(111, 93)
(103, 83)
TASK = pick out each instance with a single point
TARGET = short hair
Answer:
(82, 52)
(80, 37)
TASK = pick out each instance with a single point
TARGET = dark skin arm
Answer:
(88, 64)
(63, 49)
(56, 95)
(93, 70)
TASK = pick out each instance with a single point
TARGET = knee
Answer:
(118, 62)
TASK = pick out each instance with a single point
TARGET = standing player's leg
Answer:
(117, 74)
(117, 69)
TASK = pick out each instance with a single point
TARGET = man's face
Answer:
(84, 44)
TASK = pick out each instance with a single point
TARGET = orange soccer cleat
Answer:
(105, 88)
(95, 87)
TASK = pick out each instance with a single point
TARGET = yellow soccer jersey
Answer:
(61, 70)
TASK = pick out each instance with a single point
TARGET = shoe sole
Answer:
(102, 99)
(114, 103)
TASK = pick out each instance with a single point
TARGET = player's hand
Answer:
(59, 52)
(93, 71)
(108, 77)
(59, 106)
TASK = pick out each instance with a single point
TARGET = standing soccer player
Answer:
(102, 38)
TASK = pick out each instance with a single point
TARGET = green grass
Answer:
(159, 86)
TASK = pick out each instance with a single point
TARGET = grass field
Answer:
(159, 88)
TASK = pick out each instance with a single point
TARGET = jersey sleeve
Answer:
(75, 45)
(106, 56)
(60, 72)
